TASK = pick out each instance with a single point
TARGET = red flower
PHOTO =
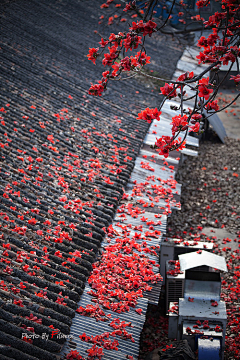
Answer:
(186, 76)
(95, 351)
(96, 89)
(74, 355)
(235, 78)
(93, 54)
(202, 3)
(60, 301)
(195, 127)
(213, 105)
(179, 123)
(18, 303)
(84, 337)
(34, 318)
(141, 58)
(202, 42)
(149, 115)
(51, 139)
(203, 89)
(168, 90)
(22, 286)
(27, 340)
(32, 221)
(146, 28)
(132, 42)
(103, 42)
(25, 268)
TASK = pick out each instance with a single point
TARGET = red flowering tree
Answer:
(220, 47)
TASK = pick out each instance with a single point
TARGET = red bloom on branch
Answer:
(111, 56)
(125, 64)
(195, 127)
(149, 115)
(235, 78)
(203, 89)
(202, 57)
(132, 42)
(93, 54)
(167, 143)
(186, 76)
(213, 105)
(103, 42)
(202, 3)
(96, 89)
(130, 6)
(202, 42)
(229, 56)
(179, 123)
(142, 58)
(168, 90)
(146, 28)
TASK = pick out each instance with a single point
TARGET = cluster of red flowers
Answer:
(179, 123)
(217, 50)
(165, 144)
(203, 88)
(169, 90)
(146, 28)
(115, 44)
(149, 115)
